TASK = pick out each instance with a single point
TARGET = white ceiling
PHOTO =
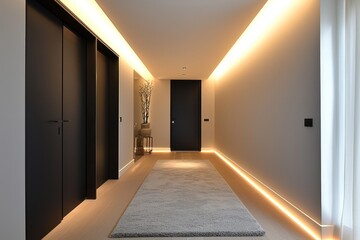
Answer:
(168, 35)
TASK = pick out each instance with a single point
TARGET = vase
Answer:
(145, 130)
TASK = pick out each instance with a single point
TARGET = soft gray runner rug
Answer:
(185, 198)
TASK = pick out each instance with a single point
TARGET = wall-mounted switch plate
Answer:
(308, 122)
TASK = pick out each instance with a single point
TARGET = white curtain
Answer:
(340, 104)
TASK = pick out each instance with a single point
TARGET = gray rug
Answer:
(185, 198)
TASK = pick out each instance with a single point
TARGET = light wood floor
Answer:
(95, 219)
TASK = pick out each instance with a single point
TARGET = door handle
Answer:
(59, 126)
(172, 121)
(56, 121)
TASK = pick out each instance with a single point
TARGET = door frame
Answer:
(93, 46)
(113, 61)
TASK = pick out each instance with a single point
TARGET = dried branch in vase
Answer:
(145, 96)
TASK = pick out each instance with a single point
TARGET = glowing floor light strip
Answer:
(89, 12)
(269, 197)
(161, 150)
(206, 150)
(272, 13)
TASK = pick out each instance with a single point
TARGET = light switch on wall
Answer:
(308, 122)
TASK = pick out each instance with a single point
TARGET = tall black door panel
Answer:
(69, 114)
(185, 115)
(74, 121)
(102, 119)
(43, 126)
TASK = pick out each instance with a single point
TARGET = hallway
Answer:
(95, 219)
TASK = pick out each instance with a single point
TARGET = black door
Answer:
(55, 121)
(74, 120)
(102, 119)
(185, 115)
(43, 122)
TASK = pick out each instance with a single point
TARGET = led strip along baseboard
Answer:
(161, 150)
(300, 218)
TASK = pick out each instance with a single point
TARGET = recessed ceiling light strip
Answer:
(273, 13)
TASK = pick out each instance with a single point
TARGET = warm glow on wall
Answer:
(89, 12)
(270, 197)
(270, 16)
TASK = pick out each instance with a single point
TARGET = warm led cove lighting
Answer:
(161, 150)
(272, 13)
(207, 151)
(90, 13)
(265, 194)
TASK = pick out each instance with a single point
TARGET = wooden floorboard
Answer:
(95, 219)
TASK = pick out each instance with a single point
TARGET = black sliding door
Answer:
(74, 120)
(43, 122)
(102, 119)
(185, 115)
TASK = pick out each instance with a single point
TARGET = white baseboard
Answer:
(126, 167)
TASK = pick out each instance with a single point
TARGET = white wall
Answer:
(160, 114)
(12, 119)
(208, 111)
(260, 106)
(126, 112)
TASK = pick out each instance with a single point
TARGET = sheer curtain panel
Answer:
(340, 113)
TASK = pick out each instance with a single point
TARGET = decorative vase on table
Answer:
(145, 130)
(145, 97)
